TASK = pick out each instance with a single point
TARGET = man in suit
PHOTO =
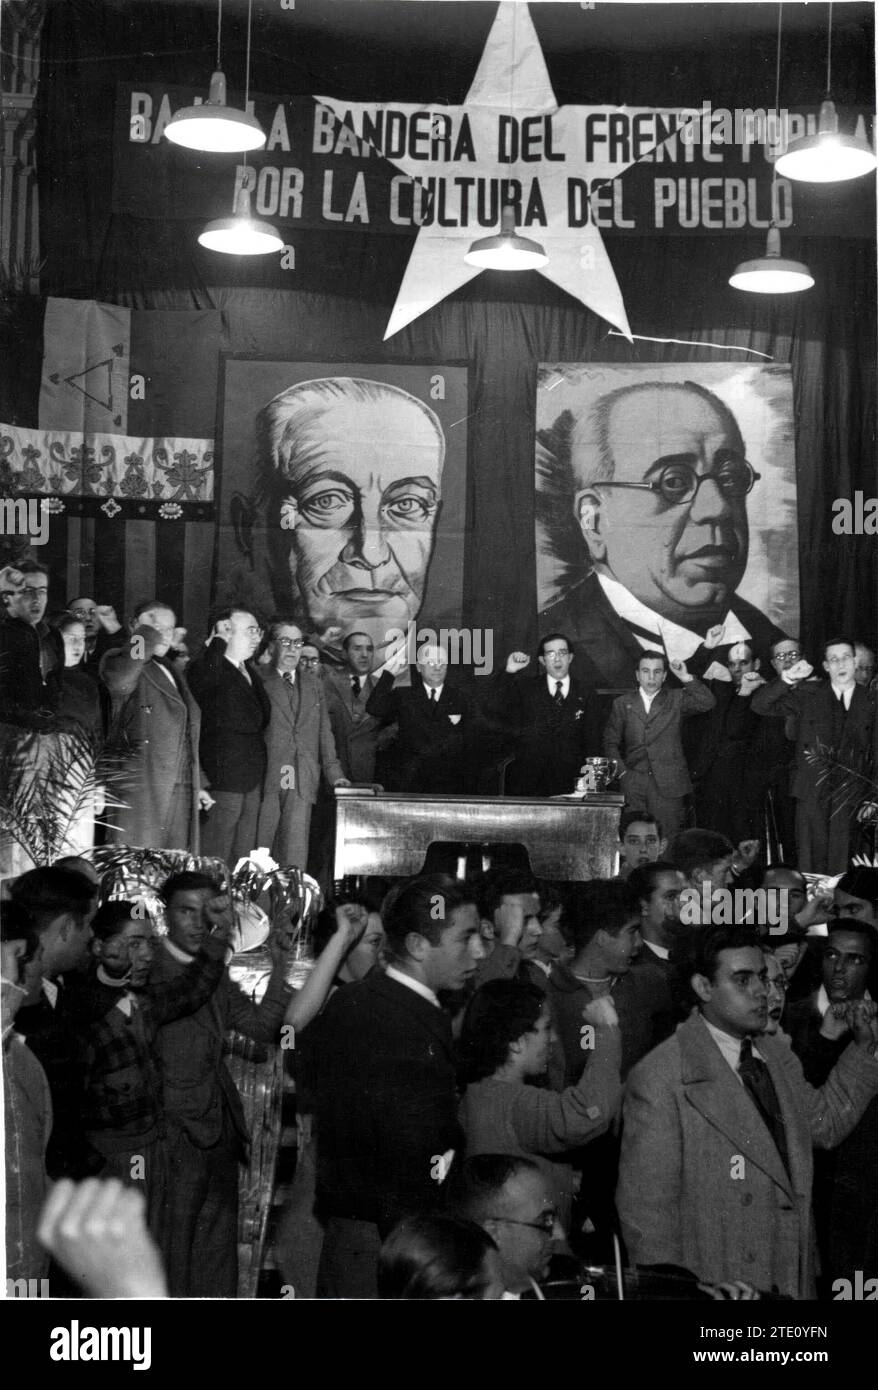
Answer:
(61, 904)
(838, 716)
(385, 1085)
(643, 734)
(234, 716)
(662, 509)
(154, 714)
(720, 749)
(716, 1168)
(552, 720)
(436, 748)
(657, 888)
(300, 746)
(845, 1199)
(207, 1135)
(357, 734)
(29, 649)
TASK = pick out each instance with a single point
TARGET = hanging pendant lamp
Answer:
(507, 251)
(213, 126)
(772, 273)
(242, 234)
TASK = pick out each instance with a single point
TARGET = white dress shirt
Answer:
(679, 642)
(730, 1047)
(846, 695)
(565, 686)
(647, 699)
(438, 689)
(408, 980)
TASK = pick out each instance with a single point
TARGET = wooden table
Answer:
(390, 833)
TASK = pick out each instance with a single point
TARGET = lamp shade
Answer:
(828, 156)
(242, 234)
(214, 126)
(508, 251)
(771, 273)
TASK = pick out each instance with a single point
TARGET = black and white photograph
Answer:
(438, 687)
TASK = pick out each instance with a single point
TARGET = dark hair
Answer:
(16, 924)
(66, 620)
(777, 641)
(32, 567)
(785, 868)
(503, 883)
(277, 621)
(698, 849)
(187, 882)
(648, 655)
(422, 905)
(838, 642)
(325, 925)
(221, 615)
(861, 882)
(852, 924)
(498, 1014)
(350, 637)
(113, 917)
(643, 880)
(697, 952)
(629, 817)
(434, 1256)
(601, 905)
(474, 1188)
(46, 893)
(147, 604)
(553, 637)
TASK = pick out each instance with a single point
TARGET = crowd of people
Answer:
(243, 744)
(505, 1088)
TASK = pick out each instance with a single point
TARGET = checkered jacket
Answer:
(122, 1082)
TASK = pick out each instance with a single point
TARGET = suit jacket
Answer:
(299, 734)
(652, 743)
(234, 716)
(160, 722)
(847, 1196)
(355, 732)
(808, 708)
(701, 1183)
(606, 649)
(550, 739)
(436, 748)
(197, 1086)
(386, 1102)
(24, 697)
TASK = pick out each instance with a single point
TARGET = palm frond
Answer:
(848, 787)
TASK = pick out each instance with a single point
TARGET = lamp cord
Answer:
(247, 77)
(773, 220)
(829, 53)
(219, 35)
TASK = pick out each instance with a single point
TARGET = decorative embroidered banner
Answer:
(145, 477)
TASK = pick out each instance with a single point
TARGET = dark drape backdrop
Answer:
(338, 304)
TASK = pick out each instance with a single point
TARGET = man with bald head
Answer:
(154, 712)
(435, 751)
(661, 503)
(353, 469)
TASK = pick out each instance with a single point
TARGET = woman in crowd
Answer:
(75, 694)
(505, 1042)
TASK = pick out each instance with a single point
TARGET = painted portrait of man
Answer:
(342, 521)
(647, 494)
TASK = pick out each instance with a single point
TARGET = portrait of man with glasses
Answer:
(657, 478)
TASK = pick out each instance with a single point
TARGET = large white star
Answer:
(511, 81)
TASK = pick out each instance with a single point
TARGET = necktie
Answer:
(355, 686)
(559, 693)
(757, 1079)
(433, 696)
(289, 678)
